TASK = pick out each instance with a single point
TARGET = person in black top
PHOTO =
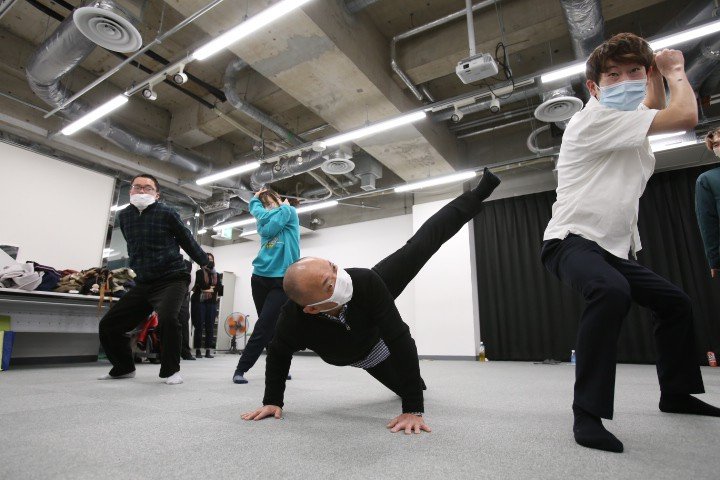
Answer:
(154, 234)
(207, 288)
(349, 317)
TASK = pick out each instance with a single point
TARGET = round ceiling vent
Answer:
(107, 29)
(558, 109)
(337, 166)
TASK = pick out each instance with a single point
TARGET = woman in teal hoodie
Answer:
(279, 230)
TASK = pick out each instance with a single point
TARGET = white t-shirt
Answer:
(604, 164)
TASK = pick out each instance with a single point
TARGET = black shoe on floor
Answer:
(207, 354)
(188, 356)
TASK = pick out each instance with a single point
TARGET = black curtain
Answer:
(526, 313)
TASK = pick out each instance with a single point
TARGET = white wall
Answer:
(438, 304)
(57, 213)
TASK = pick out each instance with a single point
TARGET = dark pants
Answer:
(269, 297)
(164, 296)
(399, 268)
(206, 321)
(609, 284)
(184, 320)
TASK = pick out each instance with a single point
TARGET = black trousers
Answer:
(164, 296)
(609, 284)
(269, 297)
(184, 320)
(399, 268)
(206, 322)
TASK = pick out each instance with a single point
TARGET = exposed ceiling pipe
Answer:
(424, 28)
(229, 81)
(532, 146)
(269, 173)
(585, 23)
(237, 207)
(705, 62)
(485, 105)
(64, 50)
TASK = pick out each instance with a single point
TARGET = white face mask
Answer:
(142, 200)
(717, 151)
(342, 293)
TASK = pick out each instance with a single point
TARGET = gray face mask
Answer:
(342, 292)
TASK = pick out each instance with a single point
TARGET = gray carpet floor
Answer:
(499, 420)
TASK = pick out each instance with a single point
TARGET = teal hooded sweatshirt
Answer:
(279, 230)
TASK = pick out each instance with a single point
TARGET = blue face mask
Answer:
(626, 95)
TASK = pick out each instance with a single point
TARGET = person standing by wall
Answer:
(279, 229)
(208, 287)
(707, 206)
(154, 234)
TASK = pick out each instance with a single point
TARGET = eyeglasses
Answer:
(142, 188)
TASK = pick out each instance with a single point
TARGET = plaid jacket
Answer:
(154, 237)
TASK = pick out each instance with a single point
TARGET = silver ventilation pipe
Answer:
(532, 146)
(229, 81)
(215, 218)
(63, 51)
(283, 169)
(585, 22)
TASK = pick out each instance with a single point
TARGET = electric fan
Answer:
(236, 324)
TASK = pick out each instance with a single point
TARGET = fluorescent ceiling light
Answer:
(108, 250)
(248, 233)
(671, 146)
(435, 181)
(115, 208)
(316, 206)
(239, 223)
(660, 43)
(686, 36)
(662, 136)
(373, 129)
(96, 114)
(202, 231)
(247, 27)
(570, 70)
(230, 172)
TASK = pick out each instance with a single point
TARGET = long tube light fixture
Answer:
(116, 208)
(672, 146)
(239, 223)
(248, 233)
(657, 44)
(373, 129)
(247, 27)
(456, 177)
(96, 114)
(316, 206)
(202, 231)
(230, 172)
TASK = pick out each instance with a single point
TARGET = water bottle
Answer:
(481, 353)
(572, 357)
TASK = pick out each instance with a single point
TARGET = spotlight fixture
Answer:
(494, 104)
(149, 94)
(457, 115)
(180, 77)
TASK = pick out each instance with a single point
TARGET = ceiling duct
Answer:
(558, 105)
(104, 24)
(338, 162)
(285, 168)
(585, 23)
(236, 207)
(367, 169)
(63, 51)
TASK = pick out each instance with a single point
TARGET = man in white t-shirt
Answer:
(590, 243)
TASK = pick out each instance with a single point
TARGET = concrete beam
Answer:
(330, 62)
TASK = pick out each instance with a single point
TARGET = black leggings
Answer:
(269, 297)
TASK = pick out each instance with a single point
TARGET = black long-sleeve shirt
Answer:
(371, 315)
(154, 237)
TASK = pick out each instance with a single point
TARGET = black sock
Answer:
(686, 403)
(487, 184)
(589, 432)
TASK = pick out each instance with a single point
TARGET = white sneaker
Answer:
(174, 379)
(107, 376)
